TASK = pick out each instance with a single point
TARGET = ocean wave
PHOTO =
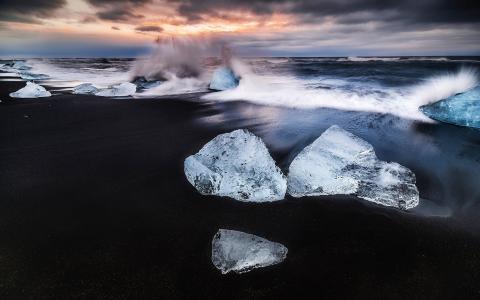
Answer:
(178, 86)
(363, 59)
(293, 92)
(443, 86)
(74, 72)
(406, 59)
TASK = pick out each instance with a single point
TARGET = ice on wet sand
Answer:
(85, 89)
(462, 109)
(31, 90)
(120, 90)
(236, 165)
(339, 162)
(241, 252)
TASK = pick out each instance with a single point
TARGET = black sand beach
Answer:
(94, 205)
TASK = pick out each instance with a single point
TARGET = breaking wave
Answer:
(299, 93)
(403, 59)
(172, 58)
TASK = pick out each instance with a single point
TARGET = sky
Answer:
(85, 28)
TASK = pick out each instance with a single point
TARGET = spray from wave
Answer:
(443, 86)
(172, 58)
(298, 93)
(178, 63)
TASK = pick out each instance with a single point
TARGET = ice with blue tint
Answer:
(21, 65)
(120, 90)
(223, 79)
(242, 252)
(31, 90)
(32, 76)
(236, 165)
(85, 89)
(340, 163)
(462, 109)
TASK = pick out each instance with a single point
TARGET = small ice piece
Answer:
(120, 90)
(31, 90)
(32, 76)
(85, 89)
(143, 84)
(340, 163)
(242, 252)
(462, 109)
(236, 165)
(223, 79)
(21, 65)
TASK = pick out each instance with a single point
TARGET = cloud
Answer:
(426, 11)
(28, 11)
(149, 28)
(115, 28)
(118, 14)
(118, 10)
(88, 19)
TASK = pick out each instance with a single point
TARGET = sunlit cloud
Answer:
(284, 27)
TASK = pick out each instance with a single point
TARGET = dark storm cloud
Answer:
(26, 11)
(348, 11)
(149, 28)
(118, 2)
(118, 14)
(118, 10)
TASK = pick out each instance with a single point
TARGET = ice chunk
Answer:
(21, 65)
(241, 252)
(143, 84)
(462, 109)
(85, 89)
(223, 79)
(120, 90)
(32, 76)
(31, 90)
(339, 162)
(236, 165)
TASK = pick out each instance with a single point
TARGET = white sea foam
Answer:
(443, 86)
(292, 92)
(171, 59)
(177, 86)
(392, 59)
(101, 77)
(362, 59)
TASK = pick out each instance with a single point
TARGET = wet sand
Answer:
(94, 205)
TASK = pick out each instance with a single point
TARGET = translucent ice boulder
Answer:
(339, 162)
(223, 79)
(143, 84)
(21, 65)
(32, 76)
(236, 165)
(462, 109)
(31, 90)
(85, 89)
(242, 252)
(120, 90)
